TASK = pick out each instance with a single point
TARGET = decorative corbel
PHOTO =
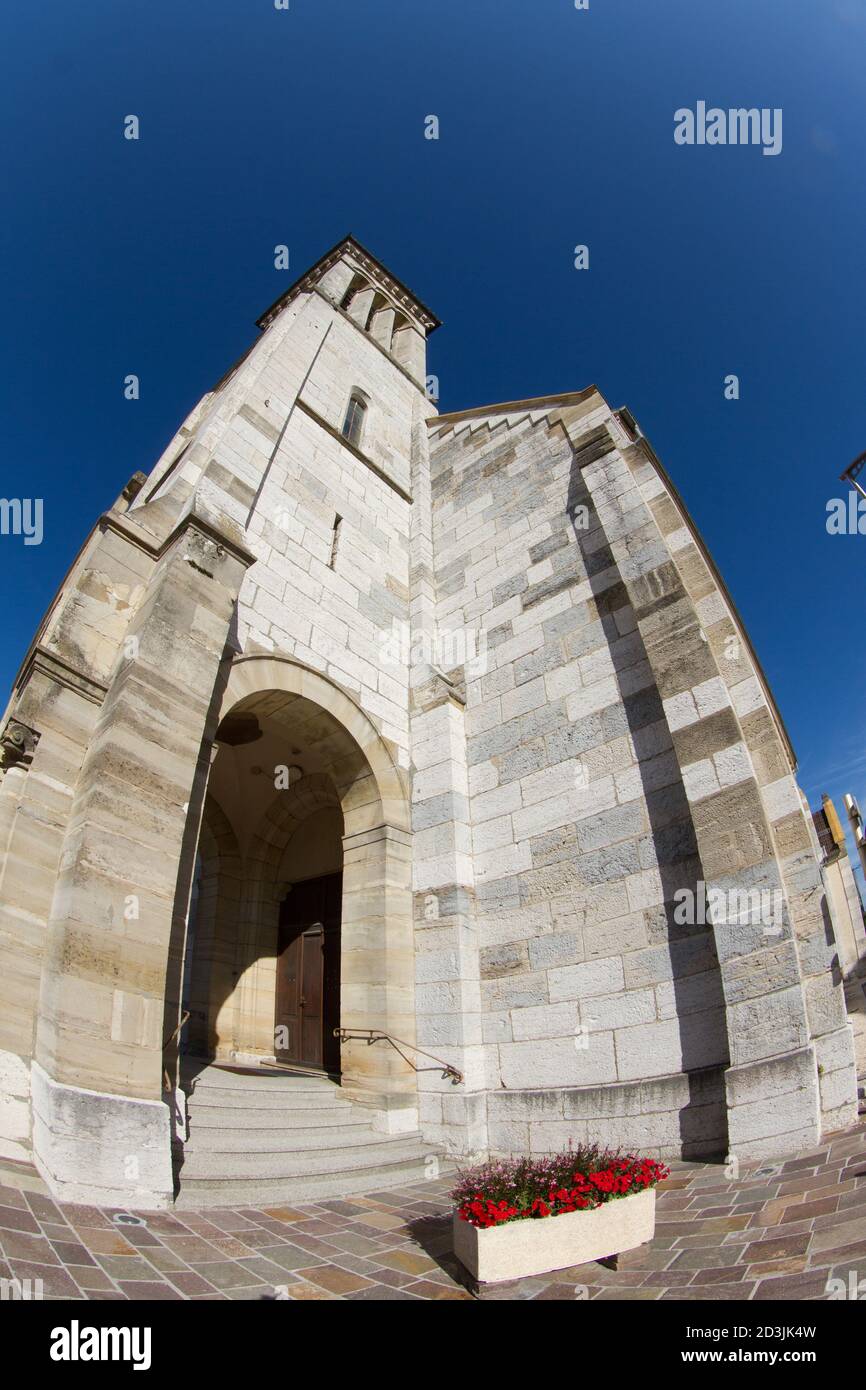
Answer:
(17, 745)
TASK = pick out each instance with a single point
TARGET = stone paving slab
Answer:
(781, 1230)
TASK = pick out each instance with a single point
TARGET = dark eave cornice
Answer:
(399, 292)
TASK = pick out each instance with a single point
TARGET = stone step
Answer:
(276, 1138)
(219, 1079)
(255, 1098)
(247, 1192)
(276, 1117)
(270, 1165)
(213, 1139)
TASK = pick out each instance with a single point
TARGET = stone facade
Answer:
(512, 700)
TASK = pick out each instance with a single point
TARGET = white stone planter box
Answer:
(536, 1245)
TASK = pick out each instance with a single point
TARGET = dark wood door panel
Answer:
(308, 973)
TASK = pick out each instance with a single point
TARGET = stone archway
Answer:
(111, 984)
(356, 772)
(380, 786)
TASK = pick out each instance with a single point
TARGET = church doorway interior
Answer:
(263, 942)
(308, 974)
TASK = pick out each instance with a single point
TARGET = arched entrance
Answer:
(265, 912)
(302, 915)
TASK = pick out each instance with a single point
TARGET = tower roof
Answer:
(366, 259)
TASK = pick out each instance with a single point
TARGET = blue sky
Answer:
(261, 127)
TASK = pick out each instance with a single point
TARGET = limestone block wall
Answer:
(447, 971)
(333, 599)
(35, 798)
(608, 773)
(578, 815)
(48, 724)
(811, 957)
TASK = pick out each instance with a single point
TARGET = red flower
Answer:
(523, 1188)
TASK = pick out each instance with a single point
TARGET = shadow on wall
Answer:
(174, 978)
(696, 999)
(830, 938)
(238, 907)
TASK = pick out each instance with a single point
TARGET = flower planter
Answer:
(536, 1245)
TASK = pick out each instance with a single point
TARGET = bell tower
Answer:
(359, 285)
(279, 533)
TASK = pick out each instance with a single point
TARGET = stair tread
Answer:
(226, 1192)
(277, 1138)
(223, 1076)
(218, 1117)
(297, 1162)
(236, 1100)
(216, 1139)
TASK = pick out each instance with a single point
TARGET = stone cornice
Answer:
(219, 535)
(122, 525)
(367, 262)
(509, 407)
(376, 834)
(41, 660)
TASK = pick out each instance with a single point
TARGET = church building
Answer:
(384, 787)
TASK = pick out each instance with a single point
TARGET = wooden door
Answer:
(308, 974)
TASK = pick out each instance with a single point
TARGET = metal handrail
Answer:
(372, 1035)
(166, 1082)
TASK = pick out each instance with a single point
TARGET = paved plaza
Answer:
(780, 1231)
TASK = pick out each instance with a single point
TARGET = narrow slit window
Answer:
(335, 541)
(353, 424)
